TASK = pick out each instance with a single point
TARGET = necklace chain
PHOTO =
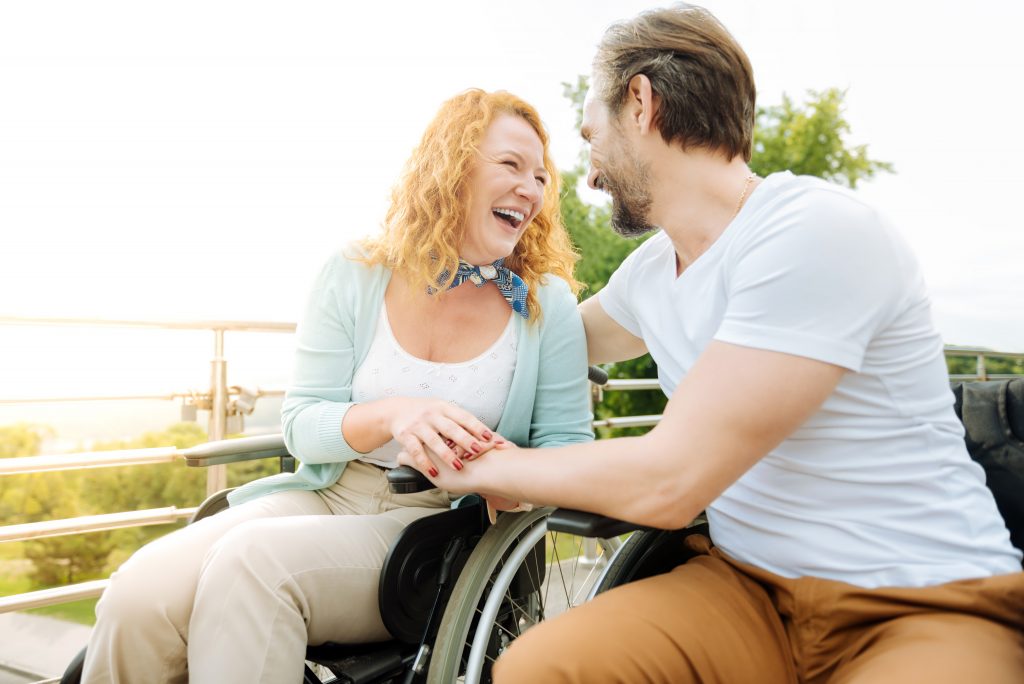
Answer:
(743, 195)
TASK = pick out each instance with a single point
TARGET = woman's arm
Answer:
(321, 424)
(320, 393)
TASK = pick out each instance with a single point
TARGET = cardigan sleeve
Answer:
(321, 389)
(561, 408)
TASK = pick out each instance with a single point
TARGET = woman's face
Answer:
(506, 190)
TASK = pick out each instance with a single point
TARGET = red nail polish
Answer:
(433, 472)
(488, 435)
(457, 464)
(475, 447)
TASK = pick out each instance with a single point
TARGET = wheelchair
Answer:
(455, 592)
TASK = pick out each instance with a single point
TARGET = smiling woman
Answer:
(446, 336)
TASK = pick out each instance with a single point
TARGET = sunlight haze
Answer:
(199, 160)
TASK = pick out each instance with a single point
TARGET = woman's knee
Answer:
(246, 549)
(151, 582)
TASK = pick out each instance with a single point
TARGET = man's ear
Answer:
(642, 104)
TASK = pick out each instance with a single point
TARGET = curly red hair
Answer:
(424, 224)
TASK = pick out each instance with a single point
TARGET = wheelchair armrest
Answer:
(406, 480)
(235, 450)
(586, 524)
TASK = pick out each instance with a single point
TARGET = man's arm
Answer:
(607, 341)
(736, 404)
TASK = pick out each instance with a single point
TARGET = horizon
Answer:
(160, 167)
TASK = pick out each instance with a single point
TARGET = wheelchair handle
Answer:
(597, 375)
(406, 480)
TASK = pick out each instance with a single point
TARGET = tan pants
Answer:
(236, 597)
(715, 620)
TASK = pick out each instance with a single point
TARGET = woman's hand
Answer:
(462, 482)
(443, 429)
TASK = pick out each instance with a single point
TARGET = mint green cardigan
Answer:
(547, 402)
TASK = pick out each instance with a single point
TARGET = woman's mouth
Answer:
(511, 217)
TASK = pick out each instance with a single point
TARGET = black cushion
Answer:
(993, 416)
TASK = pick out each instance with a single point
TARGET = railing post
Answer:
(980, 367)
(590, 545)
(217, 476)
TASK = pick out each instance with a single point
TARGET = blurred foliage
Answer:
(57, 495)
(808, 139)
(968, 365)
(22, 439)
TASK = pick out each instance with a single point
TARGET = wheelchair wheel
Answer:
(647, 553)
(518, 575)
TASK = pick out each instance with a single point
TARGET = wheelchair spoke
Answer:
(524, 574)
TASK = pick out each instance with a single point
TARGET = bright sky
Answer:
(200, 159)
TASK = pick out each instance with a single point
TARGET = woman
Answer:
(453, 331)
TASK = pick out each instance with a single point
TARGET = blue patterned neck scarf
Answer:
(511, 286)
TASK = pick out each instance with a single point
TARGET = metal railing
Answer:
(224, 403)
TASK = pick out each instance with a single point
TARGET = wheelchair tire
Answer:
(490, 582)
(215, 503)
(647, 553)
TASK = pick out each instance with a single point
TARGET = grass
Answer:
(82, 612)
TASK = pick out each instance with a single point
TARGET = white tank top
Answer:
(479, 385)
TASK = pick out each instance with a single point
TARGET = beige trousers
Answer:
(714, 620)
(237, 596)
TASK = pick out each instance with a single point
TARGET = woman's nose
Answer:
(530, 189)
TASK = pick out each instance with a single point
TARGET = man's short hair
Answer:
(696, 68)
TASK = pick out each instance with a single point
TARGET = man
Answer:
(809, 414)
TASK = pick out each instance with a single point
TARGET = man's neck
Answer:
(695, 196)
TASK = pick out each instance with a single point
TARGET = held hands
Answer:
(458, 480)
(436, 434)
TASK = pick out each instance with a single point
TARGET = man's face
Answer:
(616, 169)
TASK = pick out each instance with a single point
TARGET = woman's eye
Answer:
(509, 162)
(542, 180)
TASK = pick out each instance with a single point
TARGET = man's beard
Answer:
(631, 200)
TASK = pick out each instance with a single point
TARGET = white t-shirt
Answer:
(876, 488)
(479, 385)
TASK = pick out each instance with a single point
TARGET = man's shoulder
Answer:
(654, 249)
(809, 195)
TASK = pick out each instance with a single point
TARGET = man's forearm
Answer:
(611, 477)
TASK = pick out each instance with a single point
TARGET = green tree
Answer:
(809, 139)
(22, 439)
(48, 496)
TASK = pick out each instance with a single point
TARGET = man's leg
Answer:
(702, 622)
(937, 648)
(967, 631)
